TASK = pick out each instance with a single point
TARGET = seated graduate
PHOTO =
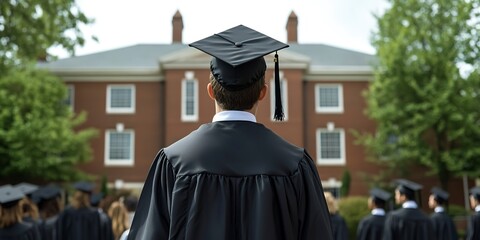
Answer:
(233, 178)
(473, 225)
(11, 224)
(408, 222)
(80, 221)
(443, 225)
(371, 226)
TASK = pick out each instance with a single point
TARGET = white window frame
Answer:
(284, 95)
(320, 109)
(119, 162)
(71, 89)
(189, 78)
(127, 110)
(329, 161)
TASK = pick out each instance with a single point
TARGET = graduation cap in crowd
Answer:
(238, 59)
(95, 199)
(84, 186)
(410, 189)
(475, 192)
(380, 196)
(26, 188)
(440, 195)
(9, 196)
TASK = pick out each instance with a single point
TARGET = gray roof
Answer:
(148, 55)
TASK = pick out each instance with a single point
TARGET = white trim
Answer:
(129, 110)
(112, 78)
(319, 109)
(284, 95)
(128, 185)
(184, 116)
(72, 96)
(340, 161)
(119, 162)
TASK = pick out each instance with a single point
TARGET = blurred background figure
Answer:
(11, 224)
(339, 226)
(29, 208)
(443, 226)
(119, 215)
(50, 205)
(473, 228)
(80, 221)
(130, 203)
(97, 200)
(371, 227)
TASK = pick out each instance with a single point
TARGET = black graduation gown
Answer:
(473, 228)
(80, 224)
(443, 226)
(407, 224)
(20, 231)
(48, 228)
(371, 227)
(106, 225)
(232, 180)
(339, 227)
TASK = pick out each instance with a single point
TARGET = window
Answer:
(121, 99)
(70, 96)
(328, 98)
(284, 95)
(333, 186)
(189, 98)
(119, 148)
(330, 147)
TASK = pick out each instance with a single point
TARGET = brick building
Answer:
(147, 96)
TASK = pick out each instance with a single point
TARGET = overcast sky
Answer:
(119, 23)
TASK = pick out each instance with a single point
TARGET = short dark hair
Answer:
(379, 203)
(237, 100)
(130, 203)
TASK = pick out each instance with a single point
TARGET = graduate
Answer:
(339, 226)
(371, 227)
(49, 206)
(233, 178)
(408, 222)
(11, 224)
(81, 221)
(473, 227)
(29, 208)
(443, 226)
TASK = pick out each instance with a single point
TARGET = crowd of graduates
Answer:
(408, 222)
(30, 212)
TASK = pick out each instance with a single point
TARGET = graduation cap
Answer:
(49, 192)
(26, 188)
(9, 196)
(84, 186)
(440, 194)
(380, 195)
(238, 59)
(475, 192)
(409, 188)
(95, 199)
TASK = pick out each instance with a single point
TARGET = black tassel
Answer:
(278, 94)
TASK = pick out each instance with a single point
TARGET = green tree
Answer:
(29, 27)
(426, 110)
(346, 180)
(37, 136)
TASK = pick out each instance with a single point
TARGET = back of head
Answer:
(10, 215)
(131, 203)
(331, 202)
(119, 216)
(81, 200)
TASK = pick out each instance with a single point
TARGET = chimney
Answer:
(292, 23)
(177, 27)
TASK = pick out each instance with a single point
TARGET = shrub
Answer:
(353, 209)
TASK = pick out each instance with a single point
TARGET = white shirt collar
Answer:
(409, 204)
(378, 212)
(231, 115)
(477, 208)
(439, 209)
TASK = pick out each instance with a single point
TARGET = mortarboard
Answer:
(9, 195)
(49, 192)
(440, 193)
(238, 59)
(380, 194)
(84, 186)
(26, 188)
(475, 192)
(408, 186)
(96, 198)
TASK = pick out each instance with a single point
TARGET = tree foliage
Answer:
(29, 27)
(427, 110)
(37, 136)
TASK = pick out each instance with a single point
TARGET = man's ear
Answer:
(263, 92)
(210, 91)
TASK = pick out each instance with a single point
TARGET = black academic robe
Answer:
(80, 224)
(20, 231)
(48, 228)
(232, 180)
(371, 227)
(443, 226)
(408, 224)
(473, 228)
(339, 227)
